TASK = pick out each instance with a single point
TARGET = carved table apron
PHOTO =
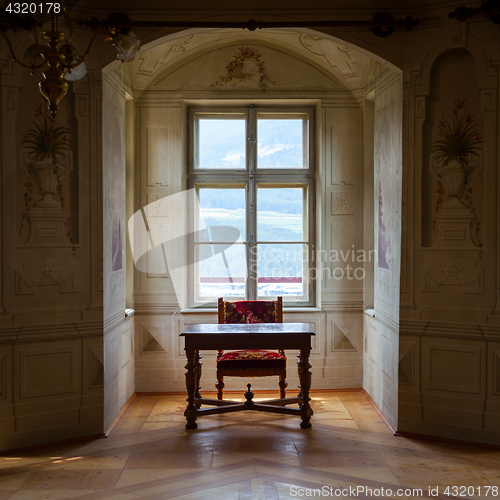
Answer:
(214, 337)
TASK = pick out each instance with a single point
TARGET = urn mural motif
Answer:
(46, 160)
(455, 163)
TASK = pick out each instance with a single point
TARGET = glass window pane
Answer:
(281, 270)
(281, 141)
(221, 271)
(220, 142)
(280, 214)
(221, 207)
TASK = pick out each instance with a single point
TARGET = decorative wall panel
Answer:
(112, 350)
(342, 153)
(47, 371)
(343, 252)
(342, 202)
(440, 275)
(406, 364)
(157, 216)
(456, 35)
(95, 366)
(496, 372)
(159, 154)
(345, 335)
(387, 347)
(371, 343)
(10, 99)
(152, 338)
(3, 375)
(488, 101)
(127, 344)
(453, 368)
(64, 274)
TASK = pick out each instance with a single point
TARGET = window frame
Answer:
(252, 177)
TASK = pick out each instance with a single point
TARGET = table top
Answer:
(245, 328)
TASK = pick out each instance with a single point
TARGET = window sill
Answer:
(207, 310)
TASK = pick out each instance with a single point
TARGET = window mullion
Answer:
(252, 205)
(249, 238)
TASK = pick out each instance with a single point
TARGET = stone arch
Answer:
(342, 118)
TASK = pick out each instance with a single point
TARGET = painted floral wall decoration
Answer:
(384, 157)
(117, 203)
(247, 65)
(458, 138)
(46, 144)
(455, 160)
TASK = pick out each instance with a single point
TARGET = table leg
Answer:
(191, 384)
(305, 387)
(198, 376)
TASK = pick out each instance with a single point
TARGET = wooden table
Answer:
(214, 337)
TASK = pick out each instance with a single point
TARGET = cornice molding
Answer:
(16, 334)
(115, 320)
(338, 306)
(423, 328)
(388, 321)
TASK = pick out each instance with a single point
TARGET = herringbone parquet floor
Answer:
(349, 453)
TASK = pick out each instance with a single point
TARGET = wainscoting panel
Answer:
(494, 371)
(93, 360)
(46, 371)
(5, 375)
(152, 338)
(409, 369)
(453, 366)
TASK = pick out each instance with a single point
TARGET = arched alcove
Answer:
(302, 68)
(453, 92)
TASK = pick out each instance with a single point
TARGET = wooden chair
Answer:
(251, 363)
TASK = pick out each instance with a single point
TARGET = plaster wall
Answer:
(118, 325)
(449, 326)
(381, 325)
(51, 359)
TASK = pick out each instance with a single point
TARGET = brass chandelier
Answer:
(59, 59)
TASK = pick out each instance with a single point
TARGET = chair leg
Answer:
(219, 385)
(283, 384)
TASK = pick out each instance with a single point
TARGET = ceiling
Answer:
(219, 8)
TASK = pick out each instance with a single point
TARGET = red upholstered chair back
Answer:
(251, 311)
(251, 363)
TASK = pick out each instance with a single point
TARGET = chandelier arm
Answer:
(31, 67)
(83, 58)
(34, 37)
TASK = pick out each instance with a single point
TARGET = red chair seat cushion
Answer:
(251, 360)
